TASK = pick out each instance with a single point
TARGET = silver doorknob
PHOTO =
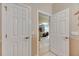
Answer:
(66, 37)
(26, 37)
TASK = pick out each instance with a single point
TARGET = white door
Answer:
(59, 33)
(17, 31)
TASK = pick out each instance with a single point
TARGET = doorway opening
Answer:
(43, 33)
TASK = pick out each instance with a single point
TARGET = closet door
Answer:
(18, 30)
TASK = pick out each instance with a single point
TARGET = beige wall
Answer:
(34, 7)
(74, 41)
(74, 45)
(43, 19)
(0, 33)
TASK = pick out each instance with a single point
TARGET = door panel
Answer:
(15, 21)
(19, 30)
(9, 30)
(25, 31)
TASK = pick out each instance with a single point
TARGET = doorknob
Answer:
(66, 38)
(26, 37)
(6, 36)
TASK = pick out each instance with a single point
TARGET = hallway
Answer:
(52, 26)
(44, 46)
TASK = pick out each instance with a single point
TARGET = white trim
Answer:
(46, 13)
(37, 34)
(30, 30)
(43, 12)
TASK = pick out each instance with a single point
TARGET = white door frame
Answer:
(45, 13)
(3, 25)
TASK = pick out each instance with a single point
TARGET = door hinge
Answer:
(5, 8)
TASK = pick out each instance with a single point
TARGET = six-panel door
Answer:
(59, 33)
(17, 35)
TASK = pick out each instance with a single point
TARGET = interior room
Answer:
(39, 29)
(43, 33)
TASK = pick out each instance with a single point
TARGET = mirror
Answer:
(43, 33)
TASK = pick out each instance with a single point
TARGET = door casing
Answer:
(49, 15)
